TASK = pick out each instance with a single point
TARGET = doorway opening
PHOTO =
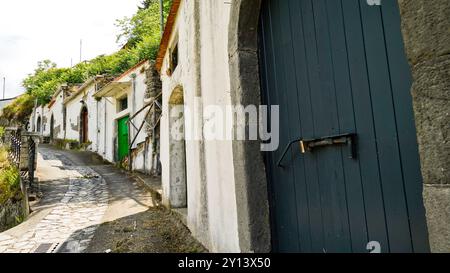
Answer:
(84, 118)
(38, 125)
(177, 144)
(52, 128)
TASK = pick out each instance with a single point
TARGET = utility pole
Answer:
(81, 49)
(4, 87)
(161, 12)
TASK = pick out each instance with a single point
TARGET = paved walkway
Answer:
(80, 193)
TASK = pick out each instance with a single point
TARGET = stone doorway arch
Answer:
(177, 150)
(249, 170)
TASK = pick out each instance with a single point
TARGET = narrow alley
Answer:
(90, 206)
(238, 126)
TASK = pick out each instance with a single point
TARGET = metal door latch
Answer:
(308, 145)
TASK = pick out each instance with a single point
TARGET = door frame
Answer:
(118, 119)
(249, 170)
(254, 227)
(84, 124)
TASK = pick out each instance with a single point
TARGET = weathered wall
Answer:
(202, 72)
(73, 118)
(57, 111)
(74, 107)
(43, 113)
(143, 151)
(249, 169)
(215, 84)
(426, 31)
(106, 126)
(136, 99)
(11, 214)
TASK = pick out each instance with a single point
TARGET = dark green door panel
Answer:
(122, 131)
(335, 67)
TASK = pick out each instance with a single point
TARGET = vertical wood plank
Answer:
(401, 81)
(386, 130)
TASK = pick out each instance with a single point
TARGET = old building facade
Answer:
(96, 116)
(362, 90)
(340, 72)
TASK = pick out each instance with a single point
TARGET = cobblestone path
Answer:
(71, 221)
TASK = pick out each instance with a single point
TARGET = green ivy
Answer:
(9, 178)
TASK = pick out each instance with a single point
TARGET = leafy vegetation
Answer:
(140, 36)
(18, 110)
(9, 178)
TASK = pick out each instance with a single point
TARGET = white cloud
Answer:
(31, 31)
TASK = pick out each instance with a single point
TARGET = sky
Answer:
(35, 30)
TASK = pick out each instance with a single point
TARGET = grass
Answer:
(9, 178)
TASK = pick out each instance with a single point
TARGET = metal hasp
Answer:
(308, 145)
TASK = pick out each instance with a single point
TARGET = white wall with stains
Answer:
(204, 78)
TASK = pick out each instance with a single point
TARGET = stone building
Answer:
(124, 100)
(361, 85)
(102, 115)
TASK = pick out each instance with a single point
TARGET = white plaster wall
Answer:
(73, 116)
(216, 91)
(136, 99)
(73, 109)
(57, 111)
(221, 206)
(107, 135)
(41, 111)
(136, 95)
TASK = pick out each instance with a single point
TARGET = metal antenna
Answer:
(4, 87)
(81, 49)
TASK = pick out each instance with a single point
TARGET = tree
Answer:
(146, 4)
(145, 24)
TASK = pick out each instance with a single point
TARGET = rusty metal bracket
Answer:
(308, 145)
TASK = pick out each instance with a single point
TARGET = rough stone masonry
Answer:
(426, 28)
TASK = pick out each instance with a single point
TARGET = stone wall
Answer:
(16, 210)
(426, 31)
(12, 213)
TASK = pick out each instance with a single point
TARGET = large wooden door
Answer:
(338, 67)
(84, 125)
(52, 128)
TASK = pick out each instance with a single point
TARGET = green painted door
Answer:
(122, 129)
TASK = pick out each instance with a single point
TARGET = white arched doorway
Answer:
(177, 150)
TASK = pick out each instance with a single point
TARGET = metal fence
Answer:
(22, 153)
(31, 162)
(15, 146)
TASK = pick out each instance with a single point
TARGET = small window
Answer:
(123, 104)
(174, 57)
(173, 60)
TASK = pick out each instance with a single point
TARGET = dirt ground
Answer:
(153, 231)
